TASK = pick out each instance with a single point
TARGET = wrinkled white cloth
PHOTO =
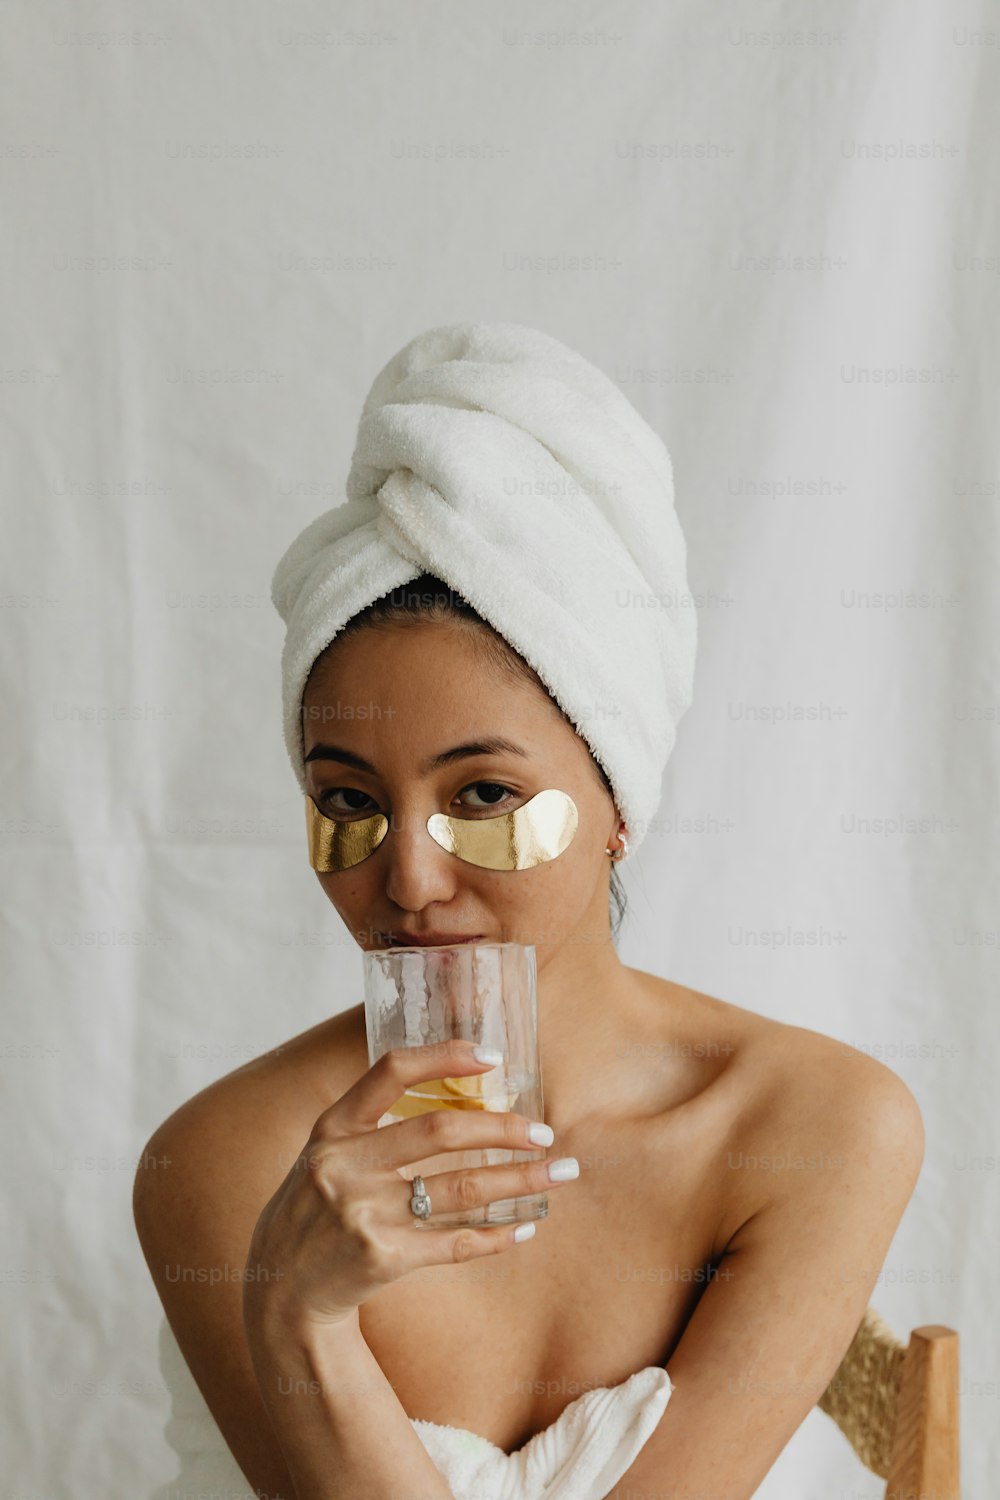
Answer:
(581, 1456)
(498, 459)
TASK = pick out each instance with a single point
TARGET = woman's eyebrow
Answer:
(492, 745)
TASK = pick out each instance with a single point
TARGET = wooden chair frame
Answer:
(898, 1407)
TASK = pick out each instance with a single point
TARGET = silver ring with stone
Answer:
(420, 1202)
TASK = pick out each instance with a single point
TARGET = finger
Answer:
(473, 1187)
(443, 1130)
(387, 1080)
(454, 1246)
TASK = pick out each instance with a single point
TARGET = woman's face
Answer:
(397, 697)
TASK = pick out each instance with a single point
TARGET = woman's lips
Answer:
(429, 939)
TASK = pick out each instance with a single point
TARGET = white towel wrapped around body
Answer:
(498, 459)
(581, 1456)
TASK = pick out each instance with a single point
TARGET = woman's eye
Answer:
(335, 810)
(491, 794)
(490, 787)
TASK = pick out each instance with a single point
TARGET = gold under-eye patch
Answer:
(337, 844)
(530, 835)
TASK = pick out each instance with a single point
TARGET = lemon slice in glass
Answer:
(487, 1091)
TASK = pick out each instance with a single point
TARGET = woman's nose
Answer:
(418, 870)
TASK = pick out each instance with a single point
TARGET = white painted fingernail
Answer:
(540, 1135)
(488, 1055)
(524, 1232)
(564, 1170)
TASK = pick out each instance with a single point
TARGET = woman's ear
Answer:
(618, 846)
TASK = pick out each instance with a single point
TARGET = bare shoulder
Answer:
(826, 1090)
(205, 1175)
(794, 1097)
(298, 1075)
(222, 1154)
(795, 1073)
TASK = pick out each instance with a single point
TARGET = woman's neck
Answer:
(591, 1007)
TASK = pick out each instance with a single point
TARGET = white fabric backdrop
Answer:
(757, 218)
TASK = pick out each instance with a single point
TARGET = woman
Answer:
(729, 1184)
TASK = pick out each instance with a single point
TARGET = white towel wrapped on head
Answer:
(496, 458)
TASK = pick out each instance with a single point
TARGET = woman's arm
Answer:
(340, 1425)
(197, 1189)
(213, 1255)
(768, 1333)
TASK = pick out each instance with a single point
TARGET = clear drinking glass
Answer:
(480, 992)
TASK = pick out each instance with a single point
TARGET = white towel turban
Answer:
(496, 458)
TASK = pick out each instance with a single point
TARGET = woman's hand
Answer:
(340, 1226)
